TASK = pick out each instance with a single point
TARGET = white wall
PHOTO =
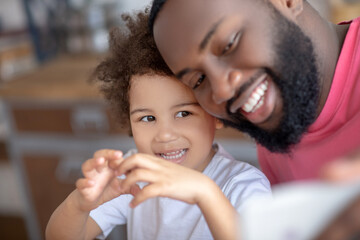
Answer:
(322, 6)
(129, 5)
(12, 15)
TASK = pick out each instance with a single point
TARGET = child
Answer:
(176, 158)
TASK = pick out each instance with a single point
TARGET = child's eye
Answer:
(199, 81)
(182, 114)
(147, 119)
(233, 42)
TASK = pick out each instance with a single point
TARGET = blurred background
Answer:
(51, 119)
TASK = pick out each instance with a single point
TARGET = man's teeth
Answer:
(256, 99)
(173, 155)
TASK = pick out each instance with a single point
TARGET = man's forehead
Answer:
(184, 9)
(206, 5)
(187, 19)
(197, 15)
(180, 28)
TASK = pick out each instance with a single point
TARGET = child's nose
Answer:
(166, 132)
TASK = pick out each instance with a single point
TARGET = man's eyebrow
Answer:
(180, 74)
(210, 33)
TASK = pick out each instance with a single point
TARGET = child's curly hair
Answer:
(132, 51)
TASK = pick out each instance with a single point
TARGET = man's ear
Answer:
(296, 6)
(291, 7)
(219, 124)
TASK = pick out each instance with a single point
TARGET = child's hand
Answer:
(166, 179)
(100, 183)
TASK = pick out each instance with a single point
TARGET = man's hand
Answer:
(347, 225)
(343, 169)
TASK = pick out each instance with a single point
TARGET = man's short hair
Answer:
(155, 9)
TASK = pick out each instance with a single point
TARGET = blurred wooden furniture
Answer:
(56, 121)
(344, 10)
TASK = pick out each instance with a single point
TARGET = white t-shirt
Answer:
(165, 218)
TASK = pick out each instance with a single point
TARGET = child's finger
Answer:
(108, 154)
(94, 163)
(138, 175)
(134, 190)
(88, 165)
(139, 161)
(149, 191)
(83, 183)
(113, 157)
(114, 163)
(100, 164)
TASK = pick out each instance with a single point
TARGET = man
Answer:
(273, 69)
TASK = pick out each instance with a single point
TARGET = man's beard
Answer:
(296, 76)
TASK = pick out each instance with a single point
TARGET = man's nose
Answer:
(225, 85)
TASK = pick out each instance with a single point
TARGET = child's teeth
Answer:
(173, 155)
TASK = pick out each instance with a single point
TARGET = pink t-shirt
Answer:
(336, 132)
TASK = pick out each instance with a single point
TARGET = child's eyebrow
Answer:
(187, 104)
(139, 110)
(142, 110)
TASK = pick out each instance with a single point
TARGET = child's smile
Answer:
(175, 156)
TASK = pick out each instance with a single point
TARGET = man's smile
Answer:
(256, 99)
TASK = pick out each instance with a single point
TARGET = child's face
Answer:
(167, 121)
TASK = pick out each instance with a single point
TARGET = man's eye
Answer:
(232, 43)
(199, 81)
(147, 119)
(228, 47)
(182, 114)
